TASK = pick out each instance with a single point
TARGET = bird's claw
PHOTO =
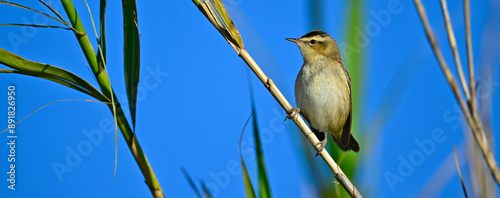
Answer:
(292, 113)
(321, 147)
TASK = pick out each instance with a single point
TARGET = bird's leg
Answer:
(322, 140)
(292, 113)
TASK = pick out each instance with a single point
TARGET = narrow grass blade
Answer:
(7, 71)
(61, 19)
(51, 78)
(65, 100)
(213, 14)
(102, 64)
(233, 31)
(459, 172)
(30, 9)
(101, 54)
(49, 72)
(131, 50)
(191, 182)
(249, 191)
(206, 191)
(34, 25)
(264, 189)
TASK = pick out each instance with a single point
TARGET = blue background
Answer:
(195, 100)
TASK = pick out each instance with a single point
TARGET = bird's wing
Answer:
(346, 133)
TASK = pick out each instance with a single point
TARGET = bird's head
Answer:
(317, 43)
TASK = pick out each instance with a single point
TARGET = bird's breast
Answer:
(322, 94)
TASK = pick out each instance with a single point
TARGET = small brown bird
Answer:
(323, 90)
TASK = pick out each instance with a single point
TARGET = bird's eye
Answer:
(313, 41)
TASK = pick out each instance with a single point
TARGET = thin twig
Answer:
(453, 46)
(459, 172)
(30, 9)
(85, 100)
(60, 17)
(34, 25)
(473, 102)
(472, 84)
(473, 121)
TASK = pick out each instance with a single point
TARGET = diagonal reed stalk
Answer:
(469, 105)
(220, 19)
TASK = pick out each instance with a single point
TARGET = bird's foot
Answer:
(321, 146)
(292, 113)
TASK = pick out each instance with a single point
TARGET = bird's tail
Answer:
(353, 144)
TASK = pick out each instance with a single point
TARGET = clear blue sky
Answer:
(194, 100)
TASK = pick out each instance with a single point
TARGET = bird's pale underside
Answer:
(323, 90)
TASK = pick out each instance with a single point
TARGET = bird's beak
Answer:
(292, 40)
